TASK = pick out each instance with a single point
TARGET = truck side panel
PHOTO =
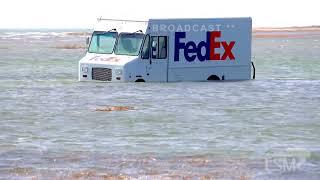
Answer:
(199, 48)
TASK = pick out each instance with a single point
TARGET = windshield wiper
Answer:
(104, 32)
(139, 31)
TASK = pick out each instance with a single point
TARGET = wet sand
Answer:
(114, 108)
(146, 166)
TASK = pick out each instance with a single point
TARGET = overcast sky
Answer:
(83, 13)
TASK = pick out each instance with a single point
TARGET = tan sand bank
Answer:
(288, 29)
(274, 35)
(78, 34)
(286, 32)
(114, 108)
(70, 46)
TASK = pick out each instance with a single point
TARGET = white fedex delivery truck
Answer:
(169, 50)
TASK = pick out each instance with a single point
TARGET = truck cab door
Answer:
(155, 54)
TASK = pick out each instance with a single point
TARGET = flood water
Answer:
(268, 128)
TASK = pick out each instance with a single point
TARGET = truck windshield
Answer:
(129, 44)
(103, 42)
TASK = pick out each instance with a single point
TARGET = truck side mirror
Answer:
(154, 44)
(88, 41)
(154, 49)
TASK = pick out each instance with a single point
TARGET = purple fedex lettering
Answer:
(178, 45)
(193, 51)
(190, 49)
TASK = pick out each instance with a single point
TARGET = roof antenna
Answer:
(112, 30)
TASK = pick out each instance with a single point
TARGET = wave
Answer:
(41, 35)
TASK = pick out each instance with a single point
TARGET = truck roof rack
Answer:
(123, 20)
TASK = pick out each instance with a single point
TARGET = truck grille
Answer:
(102, 74)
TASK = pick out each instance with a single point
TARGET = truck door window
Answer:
(146, 48)
(159, 47)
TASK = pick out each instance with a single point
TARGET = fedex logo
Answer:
(192, 50)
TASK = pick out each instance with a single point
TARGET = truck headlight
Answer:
(85, 69)
(118, 71)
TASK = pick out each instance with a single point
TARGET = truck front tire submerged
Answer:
(210, 78)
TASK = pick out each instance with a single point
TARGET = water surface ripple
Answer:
(49, 126)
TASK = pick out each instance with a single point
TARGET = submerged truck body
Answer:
(169, 50)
